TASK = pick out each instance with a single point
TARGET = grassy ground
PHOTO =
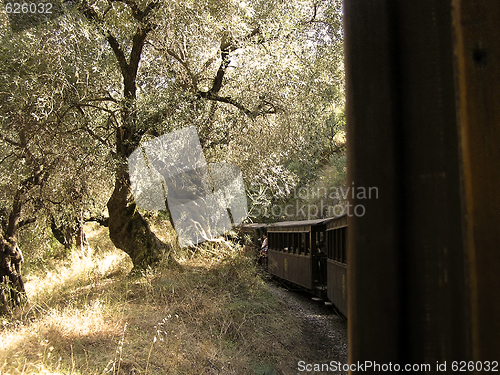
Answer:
(88, 315)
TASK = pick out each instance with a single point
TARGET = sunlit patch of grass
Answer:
(78, 271)
(60, 340)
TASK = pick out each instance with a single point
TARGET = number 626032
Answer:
(20, 8)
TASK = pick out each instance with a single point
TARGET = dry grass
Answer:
(87, 316)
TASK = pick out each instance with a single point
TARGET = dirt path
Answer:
(324, 333)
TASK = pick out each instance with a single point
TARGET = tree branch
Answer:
(10, 141)
(101, 220)
(25, 222)
(6, 157)
(120, 56)
(137, 46)
(194, 78)
(222, 99)
(227, 46)
(137, 13)
(252, 114)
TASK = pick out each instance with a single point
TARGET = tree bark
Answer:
(129, 231)
(70, 233)
(12, 290)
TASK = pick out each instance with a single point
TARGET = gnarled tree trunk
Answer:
(11, 282)
(12, 290)
(129, 231)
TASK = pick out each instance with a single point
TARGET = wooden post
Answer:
(477, 54)
(423, 126)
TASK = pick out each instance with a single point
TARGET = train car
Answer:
(336, 237)
(311, 254)
(297, 253)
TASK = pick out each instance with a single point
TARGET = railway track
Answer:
(323, 336)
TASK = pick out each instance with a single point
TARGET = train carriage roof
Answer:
(254, 225)
(300, 223)
(283, 224)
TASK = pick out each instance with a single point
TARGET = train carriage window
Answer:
(341, 247)
(340, 244)
(322, 238)
(335, 245)
(301, 240)
(330, 244)
(344, 244)
(307, 247)
(296, 243)
(308, 243)
(318, 242)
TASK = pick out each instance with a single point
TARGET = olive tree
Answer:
(243, 72)
(49, 163)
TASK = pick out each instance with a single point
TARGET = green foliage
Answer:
(278, 112)
(48, 76)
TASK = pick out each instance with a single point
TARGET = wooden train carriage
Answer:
(297, 252)
(336, 236)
